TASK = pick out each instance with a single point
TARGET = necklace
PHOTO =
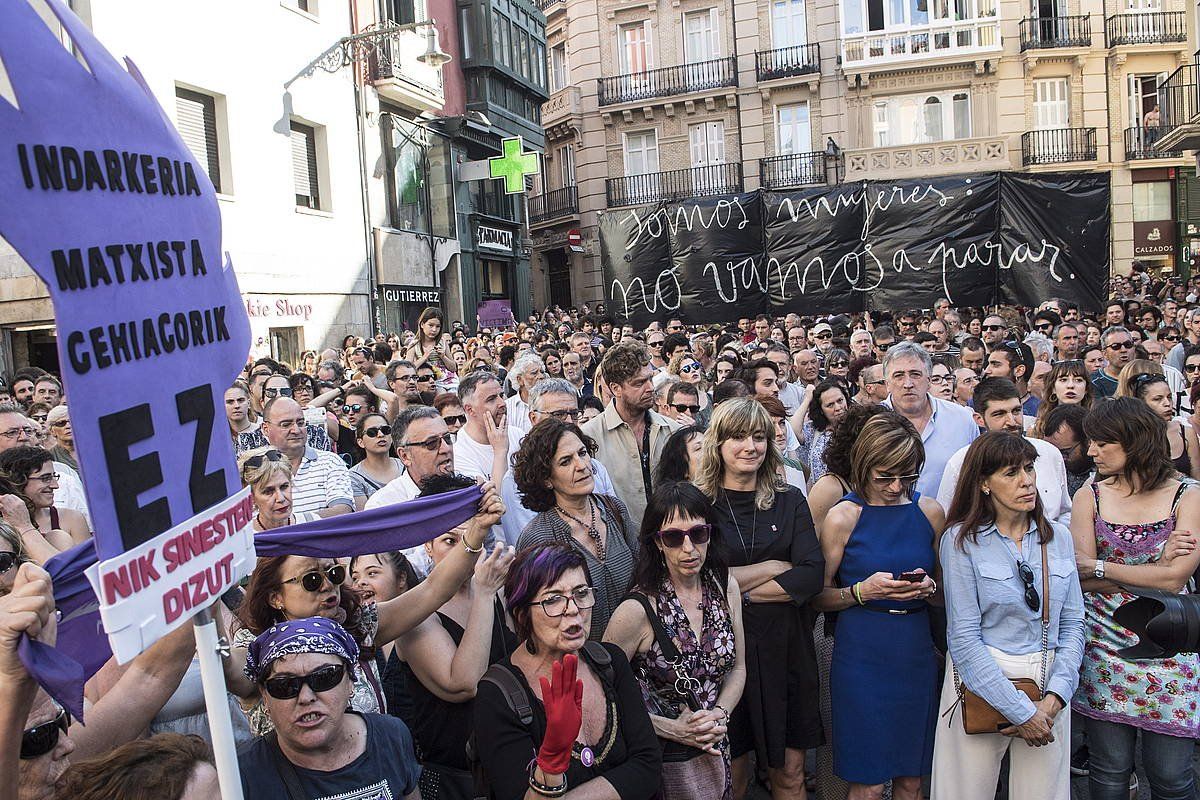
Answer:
(589, 526)
(738, 528)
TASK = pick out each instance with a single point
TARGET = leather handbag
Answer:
(978, 714)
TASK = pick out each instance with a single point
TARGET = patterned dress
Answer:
(708, 661)
(1153, 694)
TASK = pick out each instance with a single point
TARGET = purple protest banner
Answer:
(101, 197)
(495, 314)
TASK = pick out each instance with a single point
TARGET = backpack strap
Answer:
(285, 768)
(601, 659)
(514, 693)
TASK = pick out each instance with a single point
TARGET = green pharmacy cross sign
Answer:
(514, 165)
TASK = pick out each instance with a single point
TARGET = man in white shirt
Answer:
(481, 448)
(997, 406)
(320, 479)
(426, 447)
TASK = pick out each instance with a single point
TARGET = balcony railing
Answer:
(1058, 146)
(940, 38)
(1038, 33)
(788, 62)
(1139, 143)
(678, 184)
(400, 76)
(1146, 27)
(1179, 95)
(796, 169)
(554, 204)
(544, 5)
(668, 81)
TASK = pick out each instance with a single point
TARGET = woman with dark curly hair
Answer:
(553, 472)
(29, 474)
(825, 406)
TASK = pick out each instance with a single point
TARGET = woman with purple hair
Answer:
(573, 702)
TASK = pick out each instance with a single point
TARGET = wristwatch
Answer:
(1098, 570)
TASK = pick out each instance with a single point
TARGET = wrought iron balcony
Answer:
(668, 81)
(677, 184)
(1058, 146)
(545, 5)
(788, 62)
(796, 169)
(939, 39)
(1039, 33)
(554, 204)
(399, 76)
(1140, 143)
(1146, 27)
(1179, 102)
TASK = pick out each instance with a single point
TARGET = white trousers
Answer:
(968, 767)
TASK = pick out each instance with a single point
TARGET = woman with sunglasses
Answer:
(450, 407)
(879, 546)
(685, 608)
(775, 557)
(687, 368)
(28, 473)
(373, 435)
(998, 556)
(1067, 383)
(1143, 380)
(586, 720)
(553, 473)
(837, 364)
(61, 442)
(1120, 529)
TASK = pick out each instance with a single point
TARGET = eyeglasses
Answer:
(17, 433)
(886, 480)
(254, 462)
(354, 409)
(685, 408)
(406, 378)
(556, 604)
(993, 327)
(1120, 345)
(41, 739)
(673, 537)
(824, 335)
(8, 561)
(1170, 338)
(282, 391)
(455, 419)
(879, 382)
(940, 379)
(378, 430)
(564, 415)
(655, 344)
(286, 687)
(1044, 326)
(314, 580)
(432, 443)
(883, 346)
(60, 423)
(688, 369)
(38, 417)
(1191, 367)
(838, 365)
(49, 477)
(1031, 596)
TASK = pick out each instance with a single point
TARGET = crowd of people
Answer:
(847, 556)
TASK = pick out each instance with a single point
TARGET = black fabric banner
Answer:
(974, 239)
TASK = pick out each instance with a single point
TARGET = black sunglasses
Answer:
(455, 419)
(1031, 596)
(41, 739)
(673, 537)
(254, 462)
(682, 407)
(424, 378)
(314, 580)
(285, 687)
(993, 327)
(1121, 345)
(357, 407)
(8, 561)
(432, 443)
(378, 430)
(279, 391)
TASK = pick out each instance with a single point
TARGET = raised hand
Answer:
(562, 697)
(491, 571)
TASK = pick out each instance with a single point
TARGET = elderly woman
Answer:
(268, 473)
(29, 473)
(684, 621)
(776, 560)
(378, 467)
(879, 545)
(584, 716)
(553, 473)
(1014, 610)
(1121, 527)
(291, 587)
(304, 673)
(526, 371)
(62, 440)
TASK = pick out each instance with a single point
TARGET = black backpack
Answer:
(519, 701)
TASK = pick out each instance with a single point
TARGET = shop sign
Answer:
(494, 239)
(289, 309)
(417, 295)
(1153, 238)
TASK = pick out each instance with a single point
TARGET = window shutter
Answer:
(304, 166)
(196, 115)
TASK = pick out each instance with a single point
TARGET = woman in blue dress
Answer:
(879, 545)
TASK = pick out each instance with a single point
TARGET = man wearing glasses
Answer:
(885, 337)
(1118, 350)
(1191, 322)
(654, 342)
(994, 331)
(406, 390)
(17, 430)
(321, 481)
(424, 444)
(550, 398)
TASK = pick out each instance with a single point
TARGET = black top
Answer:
(393, 684)
(442, 728)
(347, 445)
(632, 763)
(782, 533)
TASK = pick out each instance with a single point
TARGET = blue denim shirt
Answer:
(985, 607)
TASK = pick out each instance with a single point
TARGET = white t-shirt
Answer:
(472, 458)
(69, 493)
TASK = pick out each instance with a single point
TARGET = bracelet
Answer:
(469, 549)
(29, 530)
(723, 711)
(541, 788)
(857, 592)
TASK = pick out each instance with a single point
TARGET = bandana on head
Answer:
(309, 635)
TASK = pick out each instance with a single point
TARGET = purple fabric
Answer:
(83, 648)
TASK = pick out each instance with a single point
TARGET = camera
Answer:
(1165, 624)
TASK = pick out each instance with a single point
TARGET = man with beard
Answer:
(405, 389)
(481, 448)
(997, 405)
(426, 384)
(1118, 350)
(320, 479)
(573, 371)
(1066, 342)
(1064, 430)
(973, 354)
(995, 331)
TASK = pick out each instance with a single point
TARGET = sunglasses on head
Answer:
(314, 580)
(673, 537)
(455, 419)
(684, 408)
(354, 409)
(286, 687)
(41, 739)
(377, 430)
(254, 462)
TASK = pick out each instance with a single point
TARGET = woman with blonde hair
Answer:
(1067, 383)
(1144, 380)
(774, 556)
(879, 547)
(689, 369)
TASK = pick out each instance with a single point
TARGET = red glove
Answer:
(562, 697)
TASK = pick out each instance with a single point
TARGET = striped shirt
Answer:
(321, 481)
